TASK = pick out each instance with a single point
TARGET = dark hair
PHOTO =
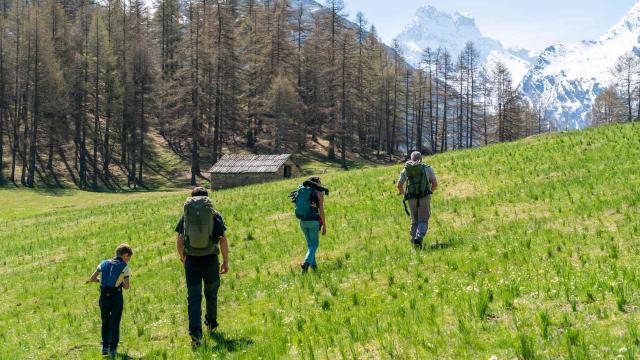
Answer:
(199, 191)
(314, 183)
(124, 249)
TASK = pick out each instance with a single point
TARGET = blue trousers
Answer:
(311, 230)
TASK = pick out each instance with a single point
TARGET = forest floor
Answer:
(166, 169)
(532, 253)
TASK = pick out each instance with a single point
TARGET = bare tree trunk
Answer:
(35, 111)
(3, 95)
(96, 115)
(195, 116)
(406, 115)
(16, 117)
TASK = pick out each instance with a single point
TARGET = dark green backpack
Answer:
(198, 227)
(418, 183)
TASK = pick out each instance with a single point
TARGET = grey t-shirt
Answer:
(432, 175)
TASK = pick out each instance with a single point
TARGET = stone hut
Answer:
(239, 170)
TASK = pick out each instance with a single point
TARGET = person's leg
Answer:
(194, 297)
(211, 286)
(424, 212)
(311, 233)
(304, 226)
(114, 323)
(313, 241)
(104, 315)
(413, 209)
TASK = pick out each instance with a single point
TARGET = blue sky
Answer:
(532, 24)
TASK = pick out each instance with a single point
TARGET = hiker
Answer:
(309, 207)
(421, 183)
(114, 275)
(200, 239)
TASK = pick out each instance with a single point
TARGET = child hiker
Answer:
(114, 275)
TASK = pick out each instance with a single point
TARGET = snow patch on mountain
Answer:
(432, 28)
(566, 78)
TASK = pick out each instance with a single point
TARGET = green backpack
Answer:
(418, 183)
(198, 227)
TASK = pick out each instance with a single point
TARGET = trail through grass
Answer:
(536, 257)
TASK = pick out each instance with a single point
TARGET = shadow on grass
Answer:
(440, 246)
(123, 357)
(218, 342)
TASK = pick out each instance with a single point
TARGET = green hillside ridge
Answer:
(536, 257)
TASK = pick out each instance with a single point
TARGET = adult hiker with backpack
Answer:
(200, 240)
(309, 208)
(421, 182)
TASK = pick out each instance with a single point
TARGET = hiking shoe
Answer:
(105, 351)
(211, 325)
(305, 267)
(196, 339)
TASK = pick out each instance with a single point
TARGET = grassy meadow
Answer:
(535, 249)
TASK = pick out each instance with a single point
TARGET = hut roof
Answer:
(243, 164)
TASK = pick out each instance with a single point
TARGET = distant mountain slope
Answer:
(566, 78)
(432, 28)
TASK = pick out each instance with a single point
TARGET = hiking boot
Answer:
(417, 242)
(211, 325)
(196, 339)
(105, 351)
(305, 267)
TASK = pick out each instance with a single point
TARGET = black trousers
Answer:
(111, 304)
(201, 270)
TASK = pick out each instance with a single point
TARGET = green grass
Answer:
(539, 246)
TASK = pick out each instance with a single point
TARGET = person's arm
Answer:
(323, 220)
(434, 185)
(401, 181)
(126, 274)
(180, 246)
(224, 249)
(434, 180)
(94, 277)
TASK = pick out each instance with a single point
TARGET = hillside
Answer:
(537, 253)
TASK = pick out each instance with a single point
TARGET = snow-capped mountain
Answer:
(432, 28)
(566, 78)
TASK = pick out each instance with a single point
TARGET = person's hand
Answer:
(224, 268)
(324, 230)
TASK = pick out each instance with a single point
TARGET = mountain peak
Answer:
(433, 28)
(430, 10)
(630, 22)
(464, 19)
(430, 13)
